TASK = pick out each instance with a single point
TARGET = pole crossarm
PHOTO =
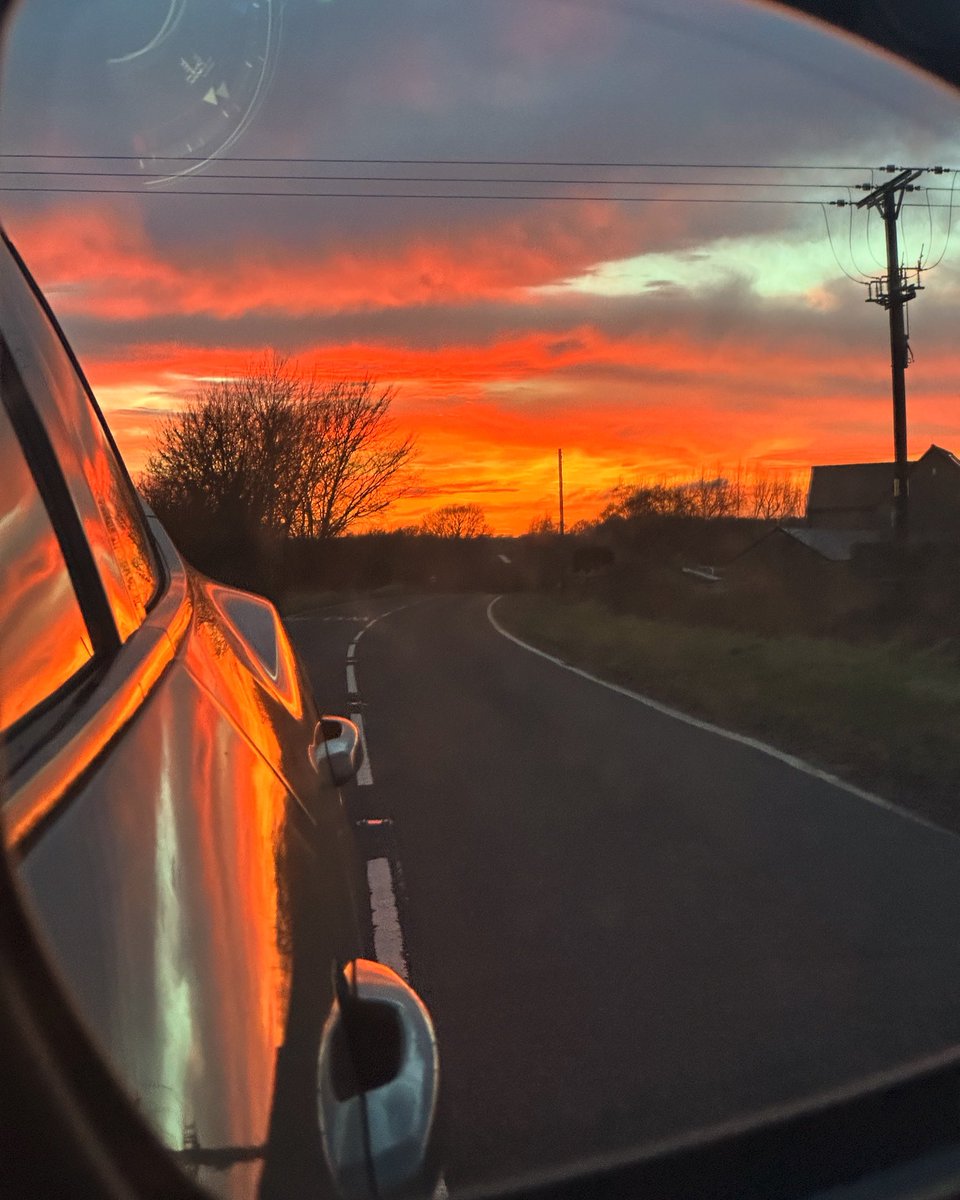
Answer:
(893, 189)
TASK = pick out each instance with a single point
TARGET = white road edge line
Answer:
(791, 760)
(387, 934)
(365, 773)
(387, 931)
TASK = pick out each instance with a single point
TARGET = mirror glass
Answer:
(610, 285)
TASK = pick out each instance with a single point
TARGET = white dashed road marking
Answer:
(388, 946)
(313, 617)
(387, 935)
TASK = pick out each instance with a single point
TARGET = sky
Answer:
(478, 233)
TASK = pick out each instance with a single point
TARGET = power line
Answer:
(379, 195)
(876, 260)
(836, 257)
(477, 162)
(853, 257)
(495, 179)
(946, 244)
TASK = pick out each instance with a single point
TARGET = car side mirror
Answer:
(338, 741)
(377, 1087)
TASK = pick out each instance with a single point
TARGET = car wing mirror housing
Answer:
(377, 1086)
(339, 742)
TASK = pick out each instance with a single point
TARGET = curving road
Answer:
(625, 926)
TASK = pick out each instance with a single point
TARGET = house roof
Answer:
(832, 545)
(850, 486)
(935, 449)
(860, 485)
(835, 545)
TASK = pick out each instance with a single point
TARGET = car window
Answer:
(110, 512)
(45, 640)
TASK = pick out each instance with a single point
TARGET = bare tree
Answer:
(277, 450)
(764, 497)
(712, 498)
(456, 521)
(776, 497)
(651, 500)
(357, 469)
(541, 527)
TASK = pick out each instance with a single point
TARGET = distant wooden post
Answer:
(560, 482)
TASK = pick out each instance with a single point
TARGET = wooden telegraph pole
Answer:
(560, 483)
(560, 488)
(892, 292)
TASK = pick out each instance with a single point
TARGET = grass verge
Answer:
(884, 716)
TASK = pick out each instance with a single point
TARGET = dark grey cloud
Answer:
(546, 79)
(524, 80)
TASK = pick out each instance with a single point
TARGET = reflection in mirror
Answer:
(631, 277)
(43, 638)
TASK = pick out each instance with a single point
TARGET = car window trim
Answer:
(55, 496)
(162, 576)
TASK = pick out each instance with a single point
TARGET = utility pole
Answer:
(560, 540)
(892, 292)
(560, 483)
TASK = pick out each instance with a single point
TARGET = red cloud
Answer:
(667, 396)
(101, 262)
(496, 415)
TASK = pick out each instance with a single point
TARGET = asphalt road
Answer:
(625, 927)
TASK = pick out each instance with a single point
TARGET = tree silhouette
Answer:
(277, 451)
(456, 521)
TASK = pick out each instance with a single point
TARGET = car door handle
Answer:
(377, 1089)
(339, 742)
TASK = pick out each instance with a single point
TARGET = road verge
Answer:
(885, 717)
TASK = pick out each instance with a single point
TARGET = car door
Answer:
(185, 856)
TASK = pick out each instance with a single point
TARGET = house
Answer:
(935, 496)
(799, 580)
(858, 497)
(788, 551)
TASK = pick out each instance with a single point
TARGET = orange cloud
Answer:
(663, 389)
(488, 420)
(102, 262)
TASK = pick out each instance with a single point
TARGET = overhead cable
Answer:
(475, 162)
(371, 195)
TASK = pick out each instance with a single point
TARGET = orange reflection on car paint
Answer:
(83, 451)
(45, 639)
(239, 832)
(190, 830)
(76, 747)
(213, 661)
(221, 659)
(263, 641)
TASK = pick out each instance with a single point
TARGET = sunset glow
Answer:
(648, 340)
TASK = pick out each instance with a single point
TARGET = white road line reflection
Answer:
(365, 774)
